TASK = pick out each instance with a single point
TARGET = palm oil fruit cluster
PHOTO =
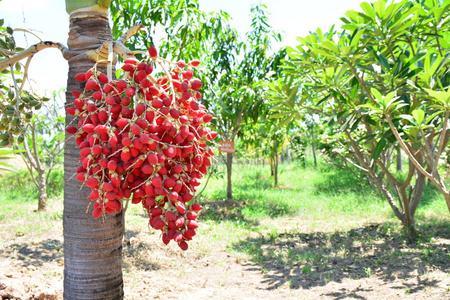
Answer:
(144, 139)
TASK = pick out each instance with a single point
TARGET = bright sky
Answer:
(49, 21)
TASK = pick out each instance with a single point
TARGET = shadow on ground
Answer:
(35, 253)
(306, 260)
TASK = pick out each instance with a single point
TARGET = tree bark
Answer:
(399, 160)
(275, 162)
(92, 247)
(42, 196)
(229, 165)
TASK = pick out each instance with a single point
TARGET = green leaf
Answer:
(418, 115)
(367, 8)
(381, 145)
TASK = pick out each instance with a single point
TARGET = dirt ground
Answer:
(357, 264)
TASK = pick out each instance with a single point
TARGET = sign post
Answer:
(227, 147)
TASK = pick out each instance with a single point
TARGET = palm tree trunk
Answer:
(92, 247)
(229, 165)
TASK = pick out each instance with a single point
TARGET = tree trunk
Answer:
(92, 247)
(42, 188)
(399, 159)
(229, 168)
(275, 162)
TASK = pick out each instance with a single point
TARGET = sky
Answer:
(49, 20)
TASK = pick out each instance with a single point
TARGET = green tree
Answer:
(374, 79)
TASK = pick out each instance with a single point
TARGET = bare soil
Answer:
(368, 262)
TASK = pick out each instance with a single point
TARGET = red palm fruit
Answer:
(184, 131)
(88, 75)
(157, 223)
(194, 105)
(126, 193)
(196, 84)
(161, 158)
(128, 67)
(179, 222)
(149, 190)
(121, 123)
(150, 116)
(177, 237)
(153, 52)
(121, 84)
(156, 103)
(110, 100)
(132, 61)
(153, 90)
(181, 208)
(85, 151)
(196, 207)
(183, 119)
(71, 110)
(156, 181)
(187, 75)
(136, 129)
(152, 158)
(96, 149)
(186, 95)
(91, 107)
(149, 201)
(96, 213)
(165, 239)
(71, 130)
(178, 168)
(80, 77)
(173, 196)
(156, 211)
(189, 233)
(101, 129)
(98, 95)
(162, 171)
(193, 224)
(136, 199)
(149, 69)
(81, 176)
(175, 113)
(116, 182)
(125, 101)
(108, 88)
(203, 170)
(96, 170)
(169, 183)
(145, 83)
(126, 141)
(198, 160)
(78, 103)
(140, 108)
(183, 245)
(147, 169)
(167, 101)
(94, 195)
(130, 91)
(144, 138)
(103, 116)
(108, 186)
(207, 118)
(109, 210)
(172, 225)
(191, 215)
(92, 182)
(76, 93)
(186, 197)
(115, 204)
(103, 78)
(170, 152)
(211, 135)
(137, 143)
(184, 86)
(125, 156)
(178, 139)
(134, 152)
(142, 123)
(170, 216)
(181, 64)
(194, 62)
(206, 162)
(90, 84)
(113, 141)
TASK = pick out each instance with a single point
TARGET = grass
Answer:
(318, 222)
